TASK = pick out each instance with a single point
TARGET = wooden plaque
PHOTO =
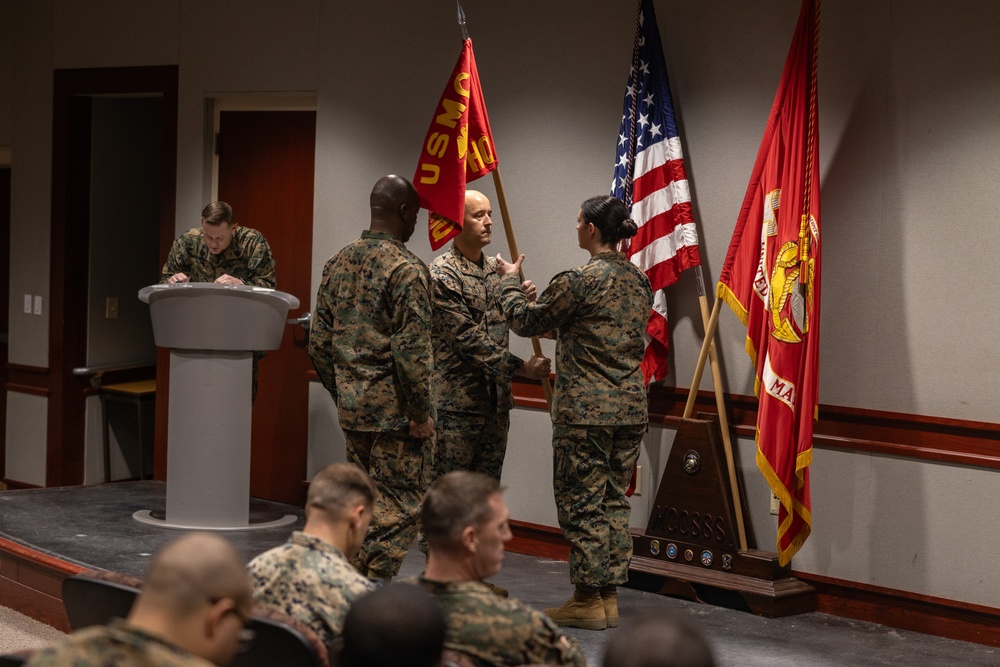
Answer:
(691, 547)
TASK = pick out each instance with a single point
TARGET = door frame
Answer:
(70, 233)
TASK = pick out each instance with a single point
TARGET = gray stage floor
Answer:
(93, 526)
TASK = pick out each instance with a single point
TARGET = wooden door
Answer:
(266, 163)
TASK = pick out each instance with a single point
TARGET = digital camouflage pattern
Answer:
(599, 313)
(494, 631)
(400, 467)
(115, 645)
(470, 442)
(248, 258)
(472, 365)
(310, 580)
(370, 340)
(592, 467)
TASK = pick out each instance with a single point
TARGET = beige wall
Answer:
(910, 148)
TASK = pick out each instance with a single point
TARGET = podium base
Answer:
(144, 516)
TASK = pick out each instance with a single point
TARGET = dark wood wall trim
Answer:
(27, 389)
(922, 437)
(897, 609)
(906, 611)
(21, 368)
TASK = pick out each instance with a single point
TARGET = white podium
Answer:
(212, 331)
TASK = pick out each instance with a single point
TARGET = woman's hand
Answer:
(505, 268)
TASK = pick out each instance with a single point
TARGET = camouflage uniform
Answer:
(310, 580)
(115, 645)
(248, 257)
(472, 366)
(494, 631)
(371, 345)
(599, 312)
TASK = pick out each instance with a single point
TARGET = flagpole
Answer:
(508, 229)
(720, 402)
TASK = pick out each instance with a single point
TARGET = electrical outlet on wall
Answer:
(638, 481)
(775, 504)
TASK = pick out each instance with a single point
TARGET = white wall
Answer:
(910, 149)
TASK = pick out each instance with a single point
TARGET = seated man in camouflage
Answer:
(310, 577)
(194, 604)
(465, 522)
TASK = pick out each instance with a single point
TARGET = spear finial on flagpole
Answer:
(461, 20)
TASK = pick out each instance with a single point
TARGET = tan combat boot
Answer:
(584, 610)
(609, 594)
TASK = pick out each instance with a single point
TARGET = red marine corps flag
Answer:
(458, 149)
(771, 280)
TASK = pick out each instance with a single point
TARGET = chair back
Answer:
(95, 598)
(281, 640)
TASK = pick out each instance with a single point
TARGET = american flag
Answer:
(650, 179)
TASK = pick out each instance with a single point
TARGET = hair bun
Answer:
(628, 228)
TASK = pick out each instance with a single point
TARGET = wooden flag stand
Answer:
(696, 544)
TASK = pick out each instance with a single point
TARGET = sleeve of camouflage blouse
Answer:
(549, 646)
(455, 325)
(554, 308)
(260, 263)
(320, 336)
(411, 338)
(176, 260)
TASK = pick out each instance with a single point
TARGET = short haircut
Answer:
(338, 486)
(217, 213)
(658, 639)
(455, 501)
(398, 625)
(193, 570)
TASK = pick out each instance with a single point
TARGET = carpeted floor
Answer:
(18, 632)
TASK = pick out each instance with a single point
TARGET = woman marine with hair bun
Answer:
(598, 313)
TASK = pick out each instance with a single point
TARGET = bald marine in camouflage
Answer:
(310, 577)
(370, 343)
(465, 521)
(599, 313)
(473, 366)
(191, 612)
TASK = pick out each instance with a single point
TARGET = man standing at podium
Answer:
(221, 251)
(371, 345)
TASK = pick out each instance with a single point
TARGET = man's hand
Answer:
(537, 368)
(529, 290)
(178, 278)
(422, 430)
(226, 279)
(504, 267)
